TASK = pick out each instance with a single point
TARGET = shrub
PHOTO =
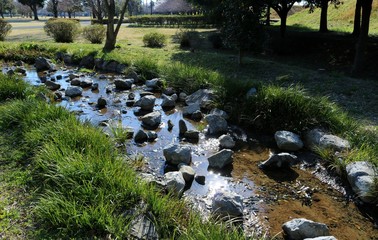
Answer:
(186, 39)
(62, 30)
(94, 33)
(5, 29)
(154, 40)
(216, 40)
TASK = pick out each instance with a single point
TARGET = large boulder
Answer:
(301, 228)
(52, 85)
(221, 159)
(175, 182)
(151, 120)
(361, 177)
(227, 204)
(190, 109)
(123, 84)
(219, 112)
(87, 62)
(316, 138)
(202, 97)
(217, 124)
(146, 103)
(73, 91)
(226, 141)
(280, 160)
(42, 64)
(175, 154)
(167, 102)
(288, 141)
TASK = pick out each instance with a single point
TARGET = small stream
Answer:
(270, 198)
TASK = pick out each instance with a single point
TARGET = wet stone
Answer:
(170, 125)
(101, 102)
(131, 96)
(182, 127)
(288, 141)
(75, 82)
(94, 86)
(151, 136)
(197, 115)
(175, 182)
(140, 136)
(52, 85)
(187, 172)
(227, 204)
(175, 154)
(217, 124)
(226, 141)
(122, 84)
(151, 120)
(86, 83)
(73, 92)
(280, 160)
(200, 179)
(301, 228)
(192, 135)
(221, 159)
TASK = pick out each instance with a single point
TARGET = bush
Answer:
(94, 33)
(5, 29)
(186, 39)
(216, 40)
(62, 30)
(154, 40)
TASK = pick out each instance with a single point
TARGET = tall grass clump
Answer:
(13, 87)
(275, 108)
(94, 33)
(5, 29)
(62, 30)
(189, 78)
(146, 68)
(154, 40)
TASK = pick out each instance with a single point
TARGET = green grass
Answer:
(339, 19)
(80, 186)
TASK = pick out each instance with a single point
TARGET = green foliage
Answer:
(154, 40)
(94, 33)
(62, 30)
(295, 110)
(119, 134)
(5, 29)
(146, 68)
(12, 87)
(186, 38)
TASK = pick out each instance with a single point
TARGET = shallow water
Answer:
(271, 198)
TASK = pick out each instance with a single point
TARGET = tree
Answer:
(357, 18)
(52, 6)
(282, 8)
(70, 7)
(4, 6)
(359, 58)
(34, 5)
(174, 6)
(134, 7)
(111, 32)
(97, 7)
(323, 4)
(23, 10)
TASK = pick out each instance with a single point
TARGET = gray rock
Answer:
(251, 92)
(361, 177)
(280, 160)
(10, 72)
(174, 97)
(219, 112)
(322, 238)
(200, 97)
(143, 228)
(167, 102)
(288, 141)
(301, 228)
(187, 172)
(73, 91)
(151, 136)
(132, 74)
(155, 83)
(87, 62)
(109, 89)
(182, 127)
(182, 96)
(75, 82)
(52, 85)
(110, 66)
(120, 68)
(192, 135)
(94, 87)
(123, 84)
(131, 96)
(151, 120)
(58, 95)
(170, 125)
(146, 93)
(175, 154)
(217, 124)
(42, 64)
(146, 103)
(20, 70)
(316, 138)
(101, 102)
(86, 83)
(227, 204)
(197, 115)
(73, 76)
(169, 91)
(140, 136)
(175, 182)
(226, 141)
(221, 159)
(200, 179)
(190, 109)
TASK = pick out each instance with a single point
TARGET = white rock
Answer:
(227, 204)
(176, 154)
(226, 141)
(175, 182)
(221, 159)
(301, 228)
(288, 141)
(361, 177)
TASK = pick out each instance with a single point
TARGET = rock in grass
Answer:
(288, 141)
(175, 182)
(221, 159)
(187, 172)
(175, 154)
(151, 120)
(155, 83)
(42, 64)
(73, 91)
(227, 204)
(143, 228)
(200, 97)
(316, 138)
(280, 160)
(361, 177)
(52, 85)
(301, 228)
(219, 112)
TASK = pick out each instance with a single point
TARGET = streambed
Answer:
(270, 197)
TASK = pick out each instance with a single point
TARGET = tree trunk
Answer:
(283, 16)
(357, 18)
(359, 58)
(2, 15)
(267, 21)
(35, 11)
(323, 16)
(69, 14)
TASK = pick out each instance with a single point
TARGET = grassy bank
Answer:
(76, 183)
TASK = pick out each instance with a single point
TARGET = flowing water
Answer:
(270, 197)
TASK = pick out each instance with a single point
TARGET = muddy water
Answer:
(271, 198)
